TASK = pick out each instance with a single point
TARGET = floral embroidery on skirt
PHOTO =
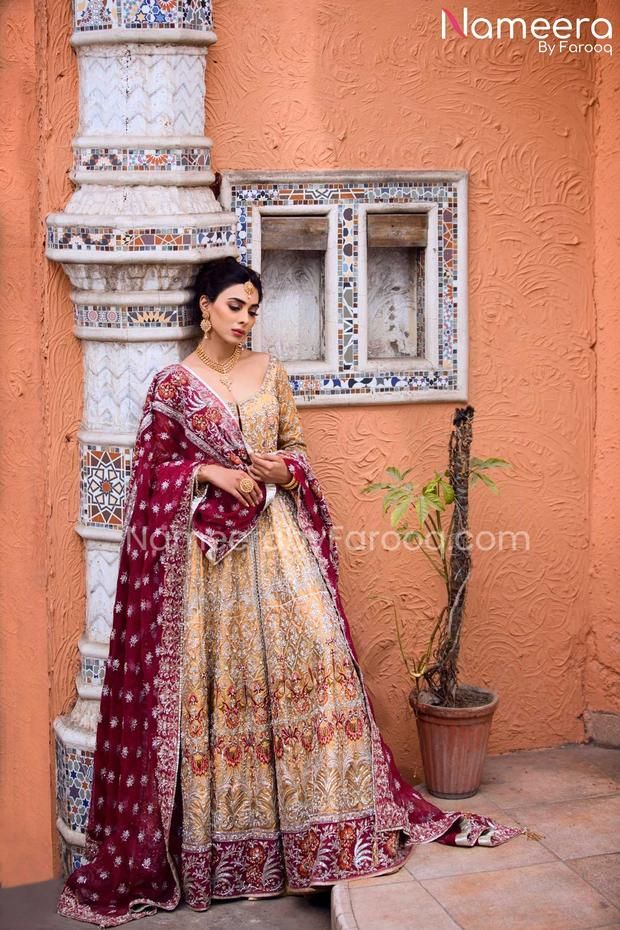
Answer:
(276, 746)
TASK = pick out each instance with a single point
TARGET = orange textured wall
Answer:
(23, 659)
(603, 679)
(304, 87)
(40, 398)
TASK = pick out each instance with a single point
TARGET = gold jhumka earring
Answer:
(206, 324)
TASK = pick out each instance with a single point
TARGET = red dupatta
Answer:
(132, 854)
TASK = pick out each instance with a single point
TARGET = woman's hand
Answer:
(269, 467)
(228, 479)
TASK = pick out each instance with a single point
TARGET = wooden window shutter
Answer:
(396, 229)
(294, 232)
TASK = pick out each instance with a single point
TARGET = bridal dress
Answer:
(237, 750)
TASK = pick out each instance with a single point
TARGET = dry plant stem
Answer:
(460, 558)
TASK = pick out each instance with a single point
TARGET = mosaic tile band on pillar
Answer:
(130, 238)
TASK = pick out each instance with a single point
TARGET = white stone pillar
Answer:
(141, 219)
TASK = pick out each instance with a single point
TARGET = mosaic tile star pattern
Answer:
(91, 15)
(104, 475)
(74, 774)
(149, 13)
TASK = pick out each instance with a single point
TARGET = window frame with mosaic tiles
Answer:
(434, 364)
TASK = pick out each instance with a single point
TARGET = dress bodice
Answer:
(269, 418)
(258, 415)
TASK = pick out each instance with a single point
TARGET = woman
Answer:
(237, 751)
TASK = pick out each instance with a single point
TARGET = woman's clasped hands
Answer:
(267, 467)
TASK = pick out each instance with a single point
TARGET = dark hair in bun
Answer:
(215, 276)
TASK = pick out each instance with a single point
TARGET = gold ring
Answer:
(246, 484)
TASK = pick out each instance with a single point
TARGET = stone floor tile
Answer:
(576, 829)
(398, 907)
(549, 896)
(602, 872)
(545, 790)
(554, 774)
(604, 758)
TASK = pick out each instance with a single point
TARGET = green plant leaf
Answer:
(431, 485)
(422, 508)
(393, 497)
(376, 486)
(489, 483)
(434, 500)
(399, 512)
(476, 463)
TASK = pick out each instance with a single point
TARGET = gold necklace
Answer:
(222, 367)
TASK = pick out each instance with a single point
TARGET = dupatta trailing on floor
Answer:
(131, 851)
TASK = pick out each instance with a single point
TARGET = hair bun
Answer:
(217, 264)
(219, 273)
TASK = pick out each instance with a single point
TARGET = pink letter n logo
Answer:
(447, 15)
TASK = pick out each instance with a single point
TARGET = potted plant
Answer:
(453, 719)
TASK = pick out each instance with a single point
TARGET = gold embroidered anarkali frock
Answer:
(274, 729)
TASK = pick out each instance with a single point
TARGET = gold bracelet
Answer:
(290, 484)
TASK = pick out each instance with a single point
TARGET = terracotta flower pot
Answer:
(453, 740)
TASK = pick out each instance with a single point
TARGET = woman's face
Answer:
(233, 312)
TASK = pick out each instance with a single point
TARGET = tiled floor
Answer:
(569, 880)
